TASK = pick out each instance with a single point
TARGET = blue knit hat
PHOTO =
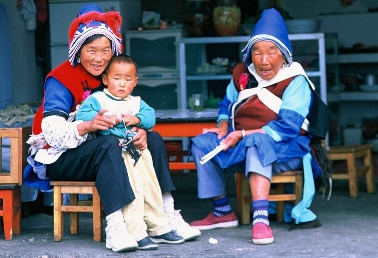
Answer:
(91, 20)
(270, 27)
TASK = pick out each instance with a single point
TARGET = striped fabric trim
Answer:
(264, 37)
(260, 216)
(260, 213)
(259, 220)
(87, 32)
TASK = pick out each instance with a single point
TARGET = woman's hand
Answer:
(235, 136)
(140, 139)
(99, 122)
(221, 129)
(232, 139)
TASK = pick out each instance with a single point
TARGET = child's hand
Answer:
(130, 120)
(115, 118)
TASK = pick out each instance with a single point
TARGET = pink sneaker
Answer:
(211, 221)
(262, 234)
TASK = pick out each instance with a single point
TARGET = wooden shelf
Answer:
(352, 96)
(358, 58)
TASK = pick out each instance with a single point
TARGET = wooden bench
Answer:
(350, 154)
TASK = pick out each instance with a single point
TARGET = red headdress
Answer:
(90, 21)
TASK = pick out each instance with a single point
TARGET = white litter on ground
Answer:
(213, 241)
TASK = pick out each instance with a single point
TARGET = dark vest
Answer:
(253, 114)
(319, 115)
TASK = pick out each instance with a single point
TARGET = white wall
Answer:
(312, 8)
(349, 22)
(27, 86)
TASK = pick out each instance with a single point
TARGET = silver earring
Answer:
(78, 60)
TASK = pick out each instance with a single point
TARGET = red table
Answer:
(184, 123)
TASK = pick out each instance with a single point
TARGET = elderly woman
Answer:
(60, 149)
(262, 129)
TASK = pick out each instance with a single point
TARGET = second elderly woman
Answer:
(262, 130)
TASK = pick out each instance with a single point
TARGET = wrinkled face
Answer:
(95, 55)
(120, 79)
(267, 59)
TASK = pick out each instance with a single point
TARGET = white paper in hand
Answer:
(212, 153)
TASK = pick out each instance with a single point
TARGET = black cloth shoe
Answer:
(168, 238)
(307, 225)
(146, 244)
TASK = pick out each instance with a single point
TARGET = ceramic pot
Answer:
(226, 18)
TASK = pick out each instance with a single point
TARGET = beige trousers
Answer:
(145, 215)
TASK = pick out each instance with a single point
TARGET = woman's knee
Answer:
(250, 174)
(154, 138)
(195, 151)
(155, 142)
(107, 140)
(109, 143)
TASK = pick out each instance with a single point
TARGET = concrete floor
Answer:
(349, 229)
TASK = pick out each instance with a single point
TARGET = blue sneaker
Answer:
(146, 244)
(168, 238)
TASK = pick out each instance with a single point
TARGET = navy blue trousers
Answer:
(100, 160)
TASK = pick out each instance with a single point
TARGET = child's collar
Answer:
(107, 92)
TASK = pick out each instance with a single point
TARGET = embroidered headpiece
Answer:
(271, 27)
(91, 20)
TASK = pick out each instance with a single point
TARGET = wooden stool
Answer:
(10, 210)
(10, 181)
(74, 188)
(244, 199)
(350, 154)
(18, 153)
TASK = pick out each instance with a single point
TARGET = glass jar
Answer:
(226, 18)
(198, 18)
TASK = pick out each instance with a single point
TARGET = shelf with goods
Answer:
(156, 53)
(360, 64)
(356, 109)
(358, 58)
(193, 54)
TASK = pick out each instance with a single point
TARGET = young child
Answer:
(144, 217)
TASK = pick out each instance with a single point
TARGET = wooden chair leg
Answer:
(11, 213)
(280, 206)
(353, 180)
(239, 196)
(16, 220)
(246, 216)
(298, 187)
(369, 176)
(7, 214)
(244, 205)
(97, 218)
(74, 216)
(58, 215)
